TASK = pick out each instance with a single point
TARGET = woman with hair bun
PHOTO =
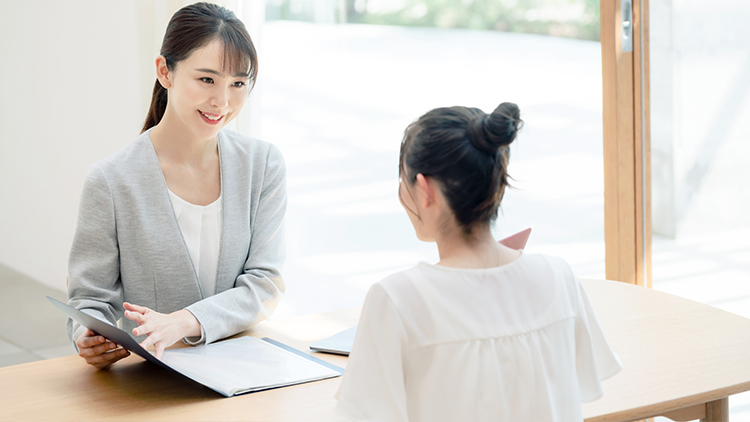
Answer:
(488, 333)
(180, 233)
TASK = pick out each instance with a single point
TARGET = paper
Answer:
(230, 367)
(339, 344)
(244, 365)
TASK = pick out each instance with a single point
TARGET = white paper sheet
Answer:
(243, 365)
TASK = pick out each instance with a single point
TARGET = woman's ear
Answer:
(162, 72)
(428, 187)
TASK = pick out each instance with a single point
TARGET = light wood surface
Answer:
(65, 389)
(677, 354)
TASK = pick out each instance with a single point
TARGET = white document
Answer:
(230, 367)
(338, 344)
(243, 365)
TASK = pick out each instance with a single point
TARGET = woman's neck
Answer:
(174, 143)
(190, 166)
(478, 250)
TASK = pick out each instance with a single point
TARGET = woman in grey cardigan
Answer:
(181, 232)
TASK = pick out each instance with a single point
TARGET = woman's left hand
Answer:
(163, 330)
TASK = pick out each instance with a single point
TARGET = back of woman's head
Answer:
(466, 151)
(193, 27)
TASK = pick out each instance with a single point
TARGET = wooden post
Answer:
(627, 172)
(717, 411)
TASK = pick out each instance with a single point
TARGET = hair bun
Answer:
(489, 132)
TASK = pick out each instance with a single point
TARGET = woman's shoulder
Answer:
(539, 259)
(248, 147)
(400, 288)
(130, 159)
(398, 279)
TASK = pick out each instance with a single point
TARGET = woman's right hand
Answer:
(98, 351)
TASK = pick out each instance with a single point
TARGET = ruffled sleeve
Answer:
(595, 360)
(373, 387)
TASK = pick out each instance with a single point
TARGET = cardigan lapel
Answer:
(172, 265)
(235, 227)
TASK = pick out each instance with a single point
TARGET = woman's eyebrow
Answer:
(213, 72)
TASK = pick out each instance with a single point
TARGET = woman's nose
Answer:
(220, 98)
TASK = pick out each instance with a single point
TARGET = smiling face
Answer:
(203, 96)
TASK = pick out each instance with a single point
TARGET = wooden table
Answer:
(681, 358)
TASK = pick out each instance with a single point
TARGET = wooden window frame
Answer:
(627, 146)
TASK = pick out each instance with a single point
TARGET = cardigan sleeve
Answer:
(259, 288)
(94, 284)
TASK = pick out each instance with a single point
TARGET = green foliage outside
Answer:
(564, 18)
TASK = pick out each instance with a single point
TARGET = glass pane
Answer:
(336, 99)
(700, 122)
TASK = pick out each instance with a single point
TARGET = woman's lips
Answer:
(211, 119)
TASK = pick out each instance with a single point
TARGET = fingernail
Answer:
(112, 345)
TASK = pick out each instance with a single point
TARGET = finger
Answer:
(113, 343)
(96, 350)
(90, 341)
(159, 349)
(144, 329)
(106, 359)
(135, 316)
(136, 308)
(150, 340)
(130, 307)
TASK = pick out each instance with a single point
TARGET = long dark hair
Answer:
(466, 150)
(193, 27)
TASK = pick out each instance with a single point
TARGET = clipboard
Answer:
(226, 359)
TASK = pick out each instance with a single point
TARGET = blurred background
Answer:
(339, 81)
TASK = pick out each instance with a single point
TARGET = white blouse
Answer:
(518, 342)
(201, 229)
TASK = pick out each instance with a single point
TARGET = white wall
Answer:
(70, 96)
(700, 115)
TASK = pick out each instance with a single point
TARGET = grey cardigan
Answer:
(128, 246)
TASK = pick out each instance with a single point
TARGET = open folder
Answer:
(230, 367)
(341, 343)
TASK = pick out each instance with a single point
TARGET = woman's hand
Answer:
(98, 351)
(163, 330)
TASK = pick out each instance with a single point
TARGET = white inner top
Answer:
(201, 229)
(513, 343)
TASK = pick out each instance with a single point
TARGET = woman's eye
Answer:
(238, 84)
(207, 80)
